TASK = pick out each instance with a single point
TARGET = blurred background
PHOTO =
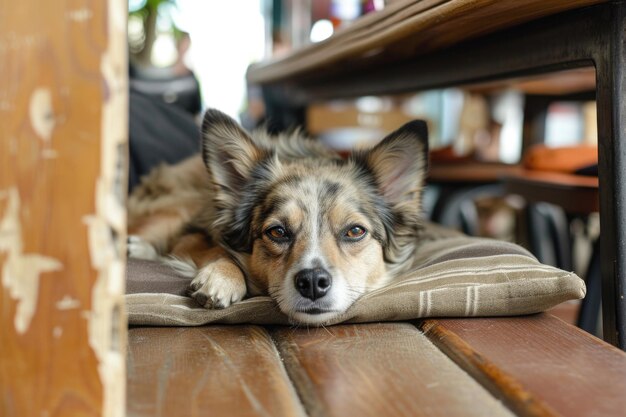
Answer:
(187, 55)
(195, 54)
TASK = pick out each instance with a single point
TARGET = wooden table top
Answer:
(406, 28)
(535, 365)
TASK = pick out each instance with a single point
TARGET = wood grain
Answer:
(409, 29)
(213, 371)
(378, 369)
(539, 365)
(63, 130)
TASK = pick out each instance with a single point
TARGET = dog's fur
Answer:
(253, 211)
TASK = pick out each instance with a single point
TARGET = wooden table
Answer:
(435, 43)
(530, 366)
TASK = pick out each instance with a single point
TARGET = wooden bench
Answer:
(529, 366)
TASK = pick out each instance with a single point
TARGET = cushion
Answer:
(453, 276)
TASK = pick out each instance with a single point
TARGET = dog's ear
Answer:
(228, 151)
(399, 163)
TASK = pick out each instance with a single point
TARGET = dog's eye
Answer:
(277, 233)
(355, 232)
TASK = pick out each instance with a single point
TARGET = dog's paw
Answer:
(218, 284)
(138, 248)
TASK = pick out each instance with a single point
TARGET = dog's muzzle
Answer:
(313, 283)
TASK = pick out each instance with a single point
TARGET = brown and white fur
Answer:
(283, 216)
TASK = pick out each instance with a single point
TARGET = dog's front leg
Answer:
(218, 284)
(219, 281)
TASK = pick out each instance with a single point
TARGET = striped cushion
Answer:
(454, 275)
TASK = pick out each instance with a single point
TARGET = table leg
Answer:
(611, 82)
(590, 307)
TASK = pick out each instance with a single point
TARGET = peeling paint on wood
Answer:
(49, 154)
(41, 113)
(67, 303)
(57, 332)
(80, 15)
(107, 226)
(21, 272)
(59, 156)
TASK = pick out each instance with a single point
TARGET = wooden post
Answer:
(63, 175)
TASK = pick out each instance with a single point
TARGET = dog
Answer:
(283, 216)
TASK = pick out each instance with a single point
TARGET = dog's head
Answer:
(314, 231)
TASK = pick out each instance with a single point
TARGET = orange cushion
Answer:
(563, 159)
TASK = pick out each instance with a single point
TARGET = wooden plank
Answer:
(420, 27)
(378, 369)
(379, 22)
(538, 364)
(63, 130)
(216, 371)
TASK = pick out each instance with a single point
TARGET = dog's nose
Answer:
(313, 283)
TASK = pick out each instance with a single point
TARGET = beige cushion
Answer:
(454, 276)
